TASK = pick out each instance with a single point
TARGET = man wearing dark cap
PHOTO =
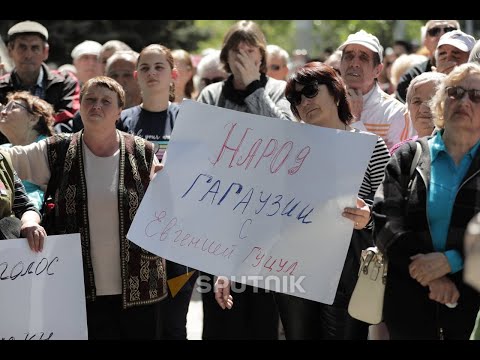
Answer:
(28, 48)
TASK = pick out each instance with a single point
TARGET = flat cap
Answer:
(28, 27)
(88, 47)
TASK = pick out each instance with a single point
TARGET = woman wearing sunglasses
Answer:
(317, 95)
(24, 120)
(420, 221)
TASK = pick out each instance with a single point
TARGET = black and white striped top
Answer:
(374, 173)
(21, 201)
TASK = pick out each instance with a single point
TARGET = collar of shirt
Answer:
(40, 77)
(438, 146)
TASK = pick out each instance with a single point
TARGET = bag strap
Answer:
(418, 152)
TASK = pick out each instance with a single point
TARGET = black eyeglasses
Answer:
(208, 81)
(309, 91)
(274, 67)
(457, 93)
(436, 30)
(14, 105)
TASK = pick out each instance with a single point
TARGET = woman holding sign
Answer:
(247, 89)
(99, 176)
(318, 97)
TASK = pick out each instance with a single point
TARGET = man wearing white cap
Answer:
(28, 48)
(373, 109)
(85, 58)
(453, 49)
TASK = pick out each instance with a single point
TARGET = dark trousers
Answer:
(304, 319)
(107, 320)
(173, 325)
(254, 315)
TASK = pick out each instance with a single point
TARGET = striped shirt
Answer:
(21, 202)
(374, 173)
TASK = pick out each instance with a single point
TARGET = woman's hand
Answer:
(157, 168)
(222, 293)
(359, 215)
(427, 267)
(248, 69)
(35, 234)
(443, 290)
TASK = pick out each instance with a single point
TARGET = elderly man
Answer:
(85, 59)
(453, 49)
(373, 109)
(28, 48)
(277, 62)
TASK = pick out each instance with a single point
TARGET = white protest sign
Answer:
(255, 198)
(43, 295)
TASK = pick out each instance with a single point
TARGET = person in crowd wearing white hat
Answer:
(453, 49)
(85, 58)
(28, 48)
(373, 109)
(431, 33)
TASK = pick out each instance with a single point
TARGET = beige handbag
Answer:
(366, 303)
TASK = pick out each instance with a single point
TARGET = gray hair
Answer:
(424, 78)
(127, 55)
(278, 51)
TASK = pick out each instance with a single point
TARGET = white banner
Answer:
(255, 198)
(43, 295)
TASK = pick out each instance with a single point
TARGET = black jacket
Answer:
(401, 230)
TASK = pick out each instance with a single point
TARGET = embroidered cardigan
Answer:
(143, 273)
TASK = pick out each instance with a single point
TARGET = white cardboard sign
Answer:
(43, 295)
(255, 198)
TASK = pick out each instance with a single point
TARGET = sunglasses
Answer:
(207, 81)
(436, 30)
(12, 105)
(457, 93)
(309, 91)
(274, 67)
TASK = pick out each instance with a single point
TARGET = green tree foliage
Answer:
(64, 35)
(279, 32)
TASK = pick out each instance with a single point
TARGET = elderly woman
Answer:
(318, 96)
(24, 120)
(100, 176)
(420, 221)
(419, 93)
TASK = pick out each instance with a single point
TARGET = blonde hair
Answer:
(458, 74)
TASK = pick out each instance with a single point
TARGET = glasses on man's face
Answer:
(309, 91)
(434, 31)
(274, 67)
(12, 105)
(208, 81)
(457, 93)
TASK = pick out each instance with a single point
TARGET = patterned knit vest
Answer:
(143, 273)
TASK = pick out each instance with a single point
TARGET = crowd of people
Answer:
(103, 124)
